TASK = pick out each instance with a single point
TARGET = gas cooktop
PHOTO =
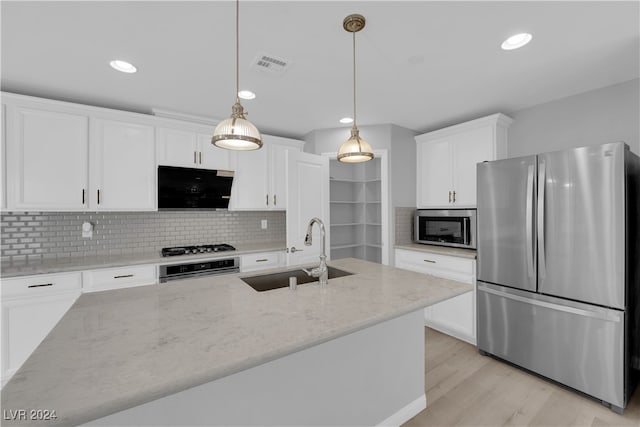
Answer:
(200, 249)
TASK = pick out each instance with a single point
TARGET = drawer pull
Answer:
(40, 286)
(262, 260)
(428, 260)
(123, 276)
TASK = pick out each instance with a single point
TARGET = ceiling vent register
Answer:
(271, 64)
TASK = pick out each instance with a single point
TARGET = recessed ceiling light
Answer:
(123, 66)
(516, 41)
(246, 94)
(346, 120)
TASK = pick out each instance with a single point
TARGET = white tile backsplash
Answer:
(36, 235)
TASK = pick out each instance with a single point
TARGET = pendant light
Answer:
(355, 149)
(236, 132)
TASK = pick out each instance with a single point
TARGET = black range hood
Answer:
(193, 189)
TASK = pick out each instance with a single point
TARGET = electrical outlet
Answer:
(263, 224)
(87, 230)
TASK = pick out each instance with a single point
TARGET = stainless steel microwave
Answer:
(446, 227)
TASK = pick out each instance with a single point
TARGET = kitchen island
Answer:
(213, 351)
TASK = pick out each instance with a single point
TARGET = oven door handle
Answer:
(192, 275)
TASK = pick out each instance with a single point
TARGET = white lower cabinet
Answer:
(118, 278)
(261, 261)
(31, 307)
(455, 316)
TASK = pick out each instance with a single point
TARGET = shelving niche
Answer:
(356, 210)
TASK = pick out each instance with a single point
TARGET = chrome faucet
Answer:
(321, 272)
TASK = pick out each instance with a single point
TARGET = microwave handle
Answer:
(465, 227)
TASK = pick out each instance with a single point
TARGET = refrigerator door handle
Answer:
(610, 317)
(529, 222)
(542, 269)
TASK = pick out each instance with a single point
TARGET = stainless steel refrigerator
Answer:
(559, 267)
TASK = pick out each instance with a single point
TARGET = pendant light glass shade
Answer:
(354, 149)
(236, 132)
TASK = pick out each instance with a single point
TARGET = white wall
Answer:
(603, 115)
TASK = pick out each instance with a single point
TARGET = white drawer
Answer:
(41, 284)
(448, 267)
(260, 261)
(120, 277)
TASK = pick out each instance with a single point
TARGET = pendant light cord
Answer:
(237, 50)
(354, 79)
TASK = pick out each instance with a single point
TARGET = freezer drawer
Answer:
(576, 344)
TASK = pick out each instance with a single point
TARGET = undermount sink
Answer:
(267, 282)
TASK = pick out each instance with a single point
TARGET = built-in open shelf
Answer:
(355, 201)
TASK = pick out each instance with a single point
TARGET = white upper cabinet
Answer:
(70, 157)
(46, 159)
(447, 159)
(176, 147)
(278, 165)
(250, 189)
(3, 164)
(261, 175)
(191, 148)
(435, 178)
(122, 166)
(212, 157)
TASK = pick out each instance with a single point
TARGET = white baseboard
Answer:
(406, 413)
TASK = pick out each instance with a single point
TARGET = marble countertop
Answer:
(117, 349)
(442, 250)
(63, 265)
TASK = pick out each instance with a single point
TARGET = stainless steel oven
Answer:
(446, 227)
(188, 270)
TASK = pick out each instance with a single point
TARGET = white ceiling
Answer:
(421, 64)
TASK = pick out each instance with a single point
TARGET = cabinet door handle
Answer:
(195, 157)
(274, 200)
(200, 157)
(40, 286)
(454, 197)
(449, 196)
(83, 196)
(428, 260)
(124, 276)
(267, 200)
(98, 196)
(262, 260)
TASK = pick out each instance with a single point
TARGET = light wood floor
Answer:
(467, 389)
